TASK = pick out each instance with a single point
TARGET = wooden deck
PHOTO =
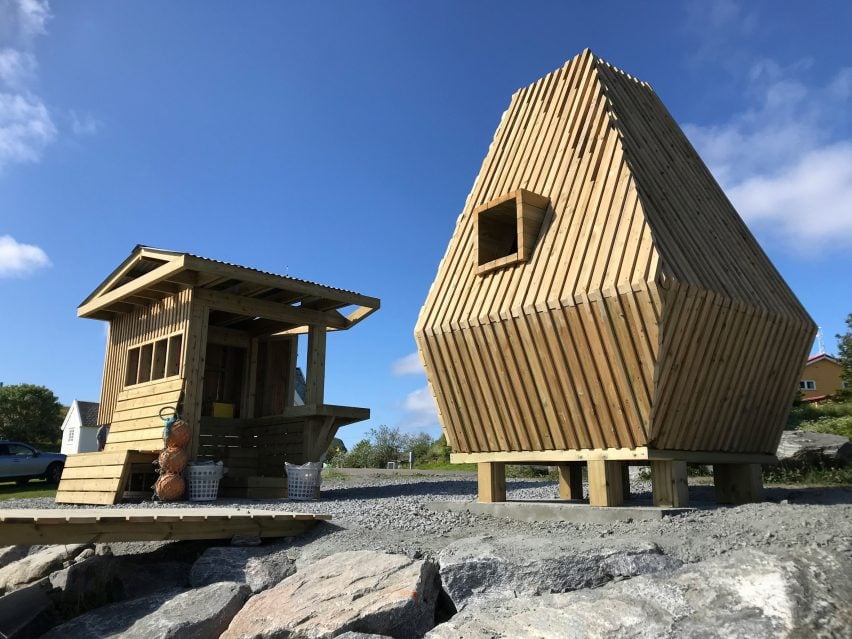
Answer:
(89, 525)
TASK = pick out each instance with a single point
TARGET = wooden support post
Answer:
(668, 484)
(738, 483)
(570, 481)
(315, 377)
(605, 483)
(195, 354)
(491, 478)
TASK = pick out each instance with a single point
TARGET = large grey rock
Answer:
(361, 591)
(8, 554)
(194, 614)
(37, 565)
(747, 595)
(88, 584)
(28, 611)
(488, 567)
(805, 447)
(260, 568)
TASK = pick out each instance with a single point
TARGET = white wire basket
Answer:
(303, 481)
(202, 481)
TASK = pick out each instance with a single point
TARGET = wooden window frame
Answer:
(154, 361)
(803, 385)
(529, 212)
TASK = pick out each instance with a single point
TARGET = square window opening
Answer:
(498, 232)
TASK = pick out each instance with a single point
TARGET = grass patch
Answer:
(808, 476)
(834, 417)
(35, 488)
(445, 466)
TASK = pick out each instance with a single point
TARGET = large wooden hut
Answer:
(602, 302)
(218, 342)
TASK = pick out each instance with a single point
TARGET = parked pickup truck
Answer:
(21, 463)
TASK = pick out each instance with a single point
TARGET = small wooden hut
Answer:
(219, 342)
(602, 302)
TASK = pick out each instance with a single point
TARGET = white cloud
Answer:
(408, 365)
(17, 259)
(17, 68)
(26, 125)
(84, 124)
(420, 409)
(784, 161)
(25, 128)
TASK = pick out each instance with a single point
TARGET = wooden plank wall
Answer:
(571, 349)
(160, 319)
(566, 370)
(136, 423)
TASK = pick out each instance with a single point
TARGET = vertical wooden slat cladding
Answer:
(646, 315)
(157, 320)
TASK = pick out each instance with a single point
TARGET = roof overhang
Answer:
(241, 297)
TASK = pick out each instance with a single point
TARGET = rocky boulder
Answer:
(28, 611)
(749, 595)
(194, 614)
(37, 565)
(489, 567)
(260, 568)
(804, 447)
(8, 554)
(360, 591)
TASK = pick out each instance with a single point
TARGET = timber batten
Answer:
(644, 316)
(202, 336)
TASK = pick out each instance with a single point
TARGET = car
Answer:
(21, 462)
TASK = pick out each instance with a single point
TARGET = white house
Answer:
(80, 428)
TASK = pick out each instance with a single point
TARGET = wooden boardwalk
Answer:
(89, 525)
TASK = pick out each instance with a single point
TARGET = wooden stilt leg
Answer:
(605, 483)
(668, 483)
(738, 483)
(570, 481)
(491, 478)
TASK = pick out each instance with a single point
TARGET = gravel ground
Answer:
(392, 513)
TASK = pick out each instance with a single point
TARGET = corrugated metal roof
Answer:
(249, 268)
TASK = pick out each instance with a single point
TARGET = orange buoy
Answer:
(173, 460)
(170, 487)
(178, 434)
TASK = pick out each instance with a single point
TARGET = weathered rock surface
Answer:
(37, 565)
(804, 447)
(88, 584)
(360, 635)
(260, 568)
(8, 554)
(487, 567)
(361, 591)
(28, 611)
(749, 595)
(194, 614)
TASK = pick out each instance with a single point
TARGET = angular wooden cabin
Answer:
(219, 342)
(602, 302)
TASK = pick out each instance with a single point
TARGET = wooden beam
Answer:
(279, 281)
(61, 526)
(738, 483)
(251, 307)
(605, 483)
(554, 456)
(159, 274)
(491, 481)
(669, 484)
(315, 376)
(570, 480)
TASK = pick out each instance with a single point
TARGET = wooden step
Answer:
(98, 478)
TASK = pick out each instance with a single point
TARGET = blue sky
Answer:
(337, 142)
